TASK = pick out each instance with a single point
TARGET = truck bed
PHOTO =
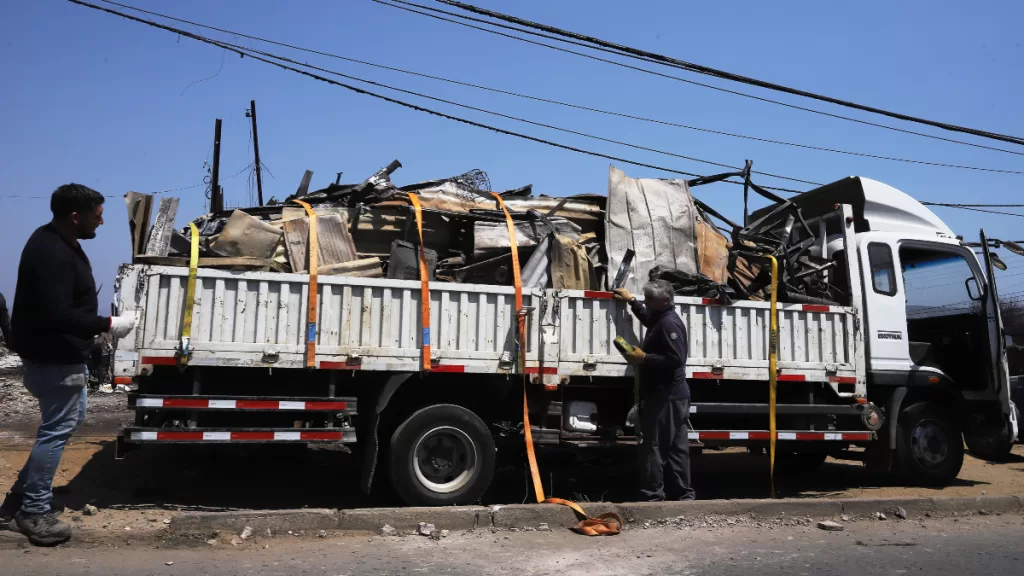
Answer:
(257, 319)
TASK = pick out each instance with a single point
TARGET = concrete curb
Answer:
(528, 516)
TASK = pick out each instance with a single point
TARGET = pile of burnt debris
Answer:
(647, 228)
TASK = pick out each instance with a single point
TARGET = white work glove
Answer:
(120, 326)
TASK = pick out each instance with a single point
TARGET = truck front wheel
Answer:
(442, 455)
(929, 445)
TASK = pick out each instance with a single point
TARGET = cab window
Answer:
(883, 273)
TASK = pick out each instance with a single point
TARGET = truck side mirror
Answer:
(973, 290)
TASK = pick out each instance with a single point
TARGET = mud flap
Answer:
(370, 439)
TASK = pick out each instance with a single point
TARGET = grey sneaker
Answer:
(43, 529)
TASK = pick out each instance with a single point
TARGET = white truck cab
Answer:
(933, 334)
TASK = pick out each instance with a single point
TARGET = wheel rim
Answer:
(444, 459)
(930, 443)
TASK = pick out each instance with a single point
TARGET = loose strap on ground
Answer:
(424, 282)
(190, 298)
(607, 524)
(311, 312)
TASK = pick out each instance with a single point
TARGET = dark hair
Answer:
(74, 198)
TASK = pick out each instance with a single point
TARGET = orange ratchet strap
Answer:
(424, 282)
(605, 524)
(313, 250)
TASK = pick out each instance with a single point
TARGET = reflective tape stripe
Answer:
(185, 403)
(539, 370)
(456, 368)
(233, 404)
(791, 435)
(334, 435)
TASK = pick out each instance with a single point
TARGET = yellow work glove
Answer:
(623, 294)
(636, 357)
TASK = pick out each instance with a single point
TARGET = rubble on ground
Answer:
(18, 406)
(370, 230)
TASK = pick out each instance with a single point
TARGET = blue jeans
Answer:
(62, 401)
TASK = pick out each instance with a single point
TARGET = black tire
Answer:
(929, 445)
(442, 455)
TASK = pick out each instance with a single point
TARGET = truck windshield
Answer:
(936, 284)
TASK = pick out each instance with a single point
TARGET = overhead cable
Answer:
(249, 53)
(559, 102)
(687, 81)
(709, 71)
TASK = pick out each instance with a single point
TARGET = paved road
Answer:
(967, 546)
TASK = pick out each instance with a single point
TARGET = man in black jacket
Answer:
(53, 325)
(664, 457)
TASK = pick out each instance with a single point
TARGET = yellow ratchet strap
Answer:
(185, 352)
(313, 250)
(424, 282)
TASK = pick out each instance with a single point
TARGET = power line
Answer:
(40, 197)
(972, 209)
(562, 103)
(684, 80)
(957, 205)
(243, 51)
(510, 117)
(709, 71)
(250, 53)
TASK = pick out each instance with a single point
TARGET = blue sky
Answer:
(93, 98)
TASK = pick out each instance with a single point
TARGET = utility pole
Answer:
(216, 195)
(256, 151)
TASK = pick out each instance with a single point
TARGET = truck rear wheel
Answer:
(929, 445)
(442, 455)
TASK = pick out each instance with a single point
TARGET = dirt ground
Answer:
(138, 493)
(964, 546)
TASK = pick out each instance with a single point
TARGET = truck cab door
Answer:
(999, 378)
(884, 305)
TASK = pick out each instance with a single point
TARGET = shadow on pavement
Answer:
(279, 477)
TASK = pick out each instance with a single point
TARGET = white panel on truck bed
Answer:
(729, 342)
(243, 317)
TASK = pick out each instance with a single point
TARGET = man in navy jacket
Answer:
(664, 457)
